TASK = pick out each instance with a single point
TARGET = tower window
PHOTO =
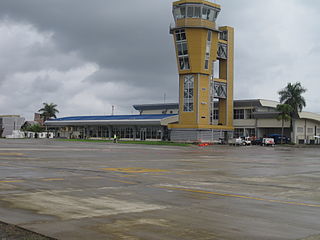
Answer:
(224, 35)
(181, 35)
(215, 114)
(190, 12)
(222, 51)
(209, 14)
(208, 50)
(188, 93)
(179, 12)
(195, 11)
(182, 49)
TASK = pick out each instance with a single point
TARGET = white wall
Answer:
(305, 130)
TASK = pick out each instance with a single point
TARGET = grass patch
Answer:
(128, 142)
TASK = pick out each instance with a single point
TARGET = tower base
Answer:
(199, 135)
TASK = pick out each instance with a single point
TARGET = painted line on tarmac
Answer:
(12, 154)
(240, 196)
(134, 170)
(18, 158)
(12, 181)
(52, 179)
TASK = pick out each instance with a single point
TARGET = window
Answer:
(182, 48)
(238, 132)
(184, 63)
(190, 12)
(250, 132)
(179, 12)
(216, 69)
(222, 51)
(195, 11)
(210, 15)
(224, 35)
(300, 129)
(249, 113)
(219, 90)
(215, 115)
(188, 93)
(238, 114)
(204, 12)
(181, 35)
(208, 50)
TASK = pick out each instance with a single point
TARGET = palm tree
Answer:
(285, 111)
(49, 111)
(292, 95)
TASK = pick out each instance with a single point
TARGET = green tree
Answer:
(285, 111)
(34, 128)
(49, 111)
(292, 95)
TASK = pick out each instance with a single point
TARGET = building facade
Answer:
(10, 123)
(205, 64)
(126, 127)
(255, 117)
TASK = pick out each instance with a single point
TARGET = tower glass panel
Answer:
(188, 93)
(208, 50)
(195, 11)
(182, 49)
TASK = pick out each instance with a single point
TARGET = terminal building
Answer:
(255, 117)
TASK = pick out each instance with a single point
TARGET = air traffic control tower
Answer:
(205, 64)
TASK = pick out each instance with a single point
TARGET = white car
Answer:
(267, 142)
(246, 141)
(237, 142)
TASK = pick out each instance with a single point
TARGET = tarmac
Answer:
(77, 190)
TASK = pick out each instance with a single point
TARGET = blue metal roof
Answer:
(114, 118)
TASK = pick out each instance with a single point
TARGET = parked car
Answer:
(257, 141)
(237, 142)
(246, 141)
(277, 138)
(268, 142)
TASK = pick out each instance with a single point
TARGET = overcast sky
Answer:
(86, 56)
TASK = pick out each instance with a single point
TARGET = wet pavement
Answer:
(75, 190)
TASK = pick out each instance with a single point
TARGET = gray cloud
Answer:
(88, 55)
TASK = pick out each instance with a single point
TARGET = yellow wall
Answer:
(195, 22)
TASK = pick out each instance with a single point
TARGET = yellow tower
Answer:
(205, 64)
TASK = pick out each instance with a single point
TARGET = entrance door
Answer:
(143, 134)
